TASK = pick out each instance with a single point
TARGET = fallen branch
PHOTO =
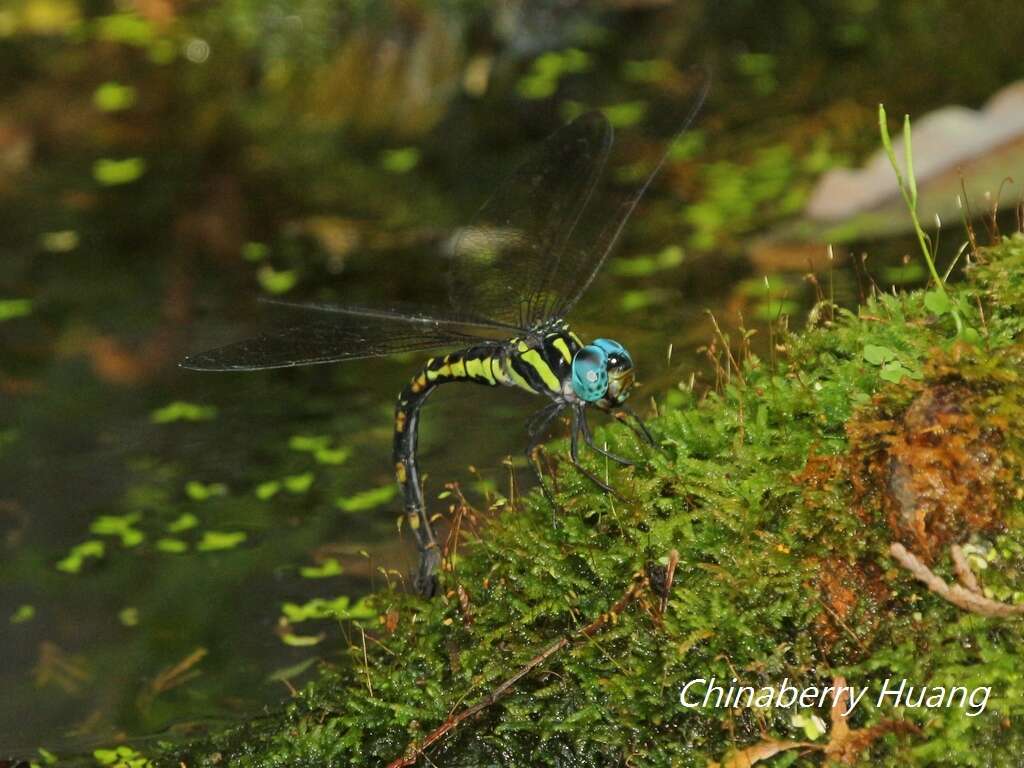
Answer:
(959, 596)
(844, 746)
(962, 568)
(639, 584)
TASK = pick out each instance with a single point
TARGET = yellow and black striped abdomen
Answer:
(483, 364)
(539, 366)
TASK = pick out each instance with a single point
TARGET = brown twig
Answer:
(962, 568)
(957, 595)
(670, 574)
(967, 215)
(639, 584)
(845, 746)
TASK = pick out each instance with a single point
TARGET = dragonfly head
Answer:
(602, 372)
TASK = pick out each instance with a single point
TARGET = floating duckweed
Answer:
(180, 410)
(183, 522)
(12, 308)
(217, 540)
(119, 525)
(198, 491)
(548, 69)
(61, 241)
(121, 757)
(320, 608)
(255, 251)
(110, 172)
(79, 554)
(113, 97)
(267, 490)
(276, 281)
(309, 443)
(626, 114)
(400, 160)
(302, 641)
(23, 613)
(171, 546)
(361, 502)
(330, 567)
(298, 483)
(332, 456)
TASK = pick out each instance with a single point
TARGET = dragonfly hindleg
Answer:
(535, 429)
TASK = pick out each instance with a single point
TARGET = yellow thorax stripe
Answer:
(562, 347)
(532, 357)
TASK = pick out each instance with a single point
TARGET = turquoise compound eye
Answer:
(614, 349)
(590, 373)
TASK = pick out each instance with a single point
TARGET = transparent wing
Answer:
(594, 238)
(323, 333)
(537, 245)
(505, 265)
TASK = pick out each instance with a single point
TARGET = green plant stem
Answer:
(908, 188)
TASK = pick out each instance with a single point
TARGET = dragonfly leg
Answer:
(575, 431)
(639, 428)
(588, 438)
(535, 429)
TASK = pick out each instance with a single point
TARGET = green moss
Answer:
(767, 490)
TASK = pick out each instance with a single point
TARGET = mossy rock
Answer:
(782, 492)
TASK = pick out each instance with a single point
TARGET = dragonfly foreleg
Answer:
(639, 428)
(588, 438)
(575, 431)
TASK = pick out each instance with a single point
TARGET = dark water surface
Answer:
(161, 168)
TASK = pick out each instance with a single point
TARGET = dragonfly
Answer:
(514, 275)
